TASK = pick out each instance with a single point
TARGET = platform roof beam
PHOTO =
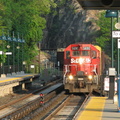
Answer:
(100, 4)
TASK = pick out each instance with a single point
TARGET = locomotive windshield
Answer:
(83, 53)
(76, 53)
(67, 54)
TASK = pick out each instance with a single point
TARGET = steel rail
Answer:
(25, 109)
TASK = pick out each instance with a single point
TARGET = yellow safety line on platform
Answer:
(94, 109)
(14, 78)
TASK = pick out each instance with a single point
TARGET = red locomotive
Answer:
(83, 67)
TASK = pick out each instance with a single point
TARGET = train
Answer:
(83, 65)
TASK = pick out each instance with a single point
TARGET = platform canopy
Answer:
(100, 4)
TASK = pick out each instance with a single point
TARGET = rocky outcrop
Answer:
(70, 24)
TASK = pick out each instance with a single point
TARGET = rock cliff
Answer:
(69, 23)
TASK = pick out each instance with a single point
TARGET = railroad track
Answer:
(69, 109)
(57, 105)
(61, 107)
(22, 107)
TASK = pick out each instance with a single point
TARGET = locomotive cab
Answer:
(81, 67)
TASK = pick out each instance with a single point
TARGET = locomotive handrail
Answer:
(66, 71)
(70, 65)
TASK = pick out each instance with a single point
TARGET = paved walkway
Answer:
(100, 108)
(110, 111)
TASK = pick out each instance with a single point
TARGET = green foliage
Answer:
(28, 18)
(104, 33)
(104, 38)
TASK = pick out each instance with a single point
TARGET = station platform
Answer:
(99, 108)
(15, 83)
(16, 77)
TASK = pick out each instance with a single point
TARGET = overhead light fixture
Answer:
(107, 2)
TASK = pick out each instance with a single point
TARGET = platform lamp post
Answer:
(8, 47)
(111, 14)
(18, 47)
(22, 41)
(117, 26)
(14, 40)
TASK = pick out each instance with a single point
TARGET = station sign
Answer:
(106, 84)
(119, 43)
(116, 34)
(1, 52)
(8, 53)
(32, 66)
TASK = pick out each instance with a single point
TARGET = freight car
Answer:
(83, 66)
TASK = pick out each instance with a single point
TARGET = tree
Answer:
(104, 33)
(28, 18)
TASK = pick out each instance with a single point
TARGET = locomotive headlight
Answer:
(70, 77)
(90, 77)
(81, 60)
